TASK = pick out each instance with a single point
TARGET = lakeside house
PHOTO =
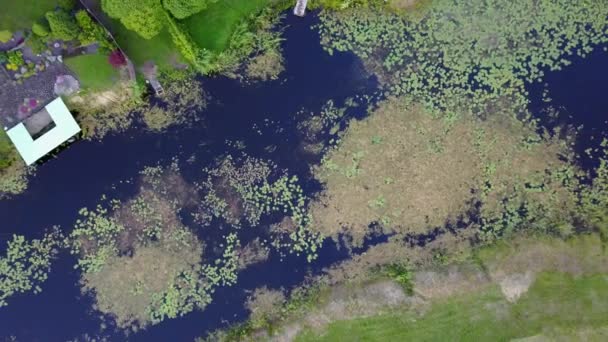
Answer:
(44, 131)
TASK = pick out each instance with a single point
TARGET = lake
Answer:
(259, 115)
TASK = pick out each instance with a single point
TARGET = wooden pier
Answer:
(300, 9)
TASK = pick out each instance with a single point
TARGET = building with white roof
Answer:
(33, 148)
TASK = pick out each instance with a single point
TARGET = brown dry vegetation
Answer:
(183, 99)
(266, 66)
(124, 288)
(252, 253)
(14, 178)
(100, 113)
(263, 302)
(410, 172)
(154, 248)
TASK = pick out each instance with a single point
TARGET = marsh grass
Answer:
(410, 172)
(145, 255)
(182, 103)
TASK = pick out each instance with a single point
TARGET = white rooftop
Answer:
(65, 127)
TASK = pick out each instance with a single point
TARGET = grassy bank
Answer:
(560, 287)
(557, 302)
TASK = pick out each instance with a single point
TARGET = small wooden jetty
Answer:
(158, 88)
(300, 9)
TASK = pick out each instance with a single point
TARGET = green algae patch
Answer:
(243, 190)
(408, 171)
(27, 264)
(464, 53)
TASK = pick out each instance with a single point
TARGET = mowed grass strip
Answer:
(21, 14)
(212, 28)
(555, 302)
(93, 71)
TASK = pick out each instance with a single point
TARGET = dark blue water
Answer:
(86, 170)
(579, 93)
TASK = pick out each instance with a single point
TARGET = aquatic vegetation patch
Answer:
(182, 102)
(143, 266)
(594, 198)
(104, 112)
(318, 131)
(131, 253)
(253, 253)
(464, 54)
(127, 285)
(266, 66)
(27, 264)
(244, 190)
(407, 171)
(14, 179)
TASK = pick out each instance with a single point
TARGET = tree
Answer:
(184, 8)
(145, 17)
(63, 26)
(91, 31)
(67, 5)
(41, 29)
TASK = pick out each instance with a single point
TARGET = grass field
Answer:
(212, 28)
(159, 49)
(556, 304)
(93, 71)
(15, 15)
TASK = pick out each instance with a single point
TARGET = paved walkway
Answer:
(39, 87)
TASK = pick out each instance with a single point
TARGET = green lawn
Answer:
(93, 71)
(556, 303)
(21, 14)
(212, 28)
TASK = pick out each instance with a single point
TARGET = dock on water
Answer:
(300, 9)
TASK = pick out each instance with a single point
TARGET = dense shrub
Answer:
(91, 31)
(184, 8)
(5, 36)
(41, 29)
(67, 4)
(145, 17)
(63, 26)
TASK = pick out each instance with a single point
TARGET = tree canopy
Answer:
(145, 17)
(62, 24)
(184, 8)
